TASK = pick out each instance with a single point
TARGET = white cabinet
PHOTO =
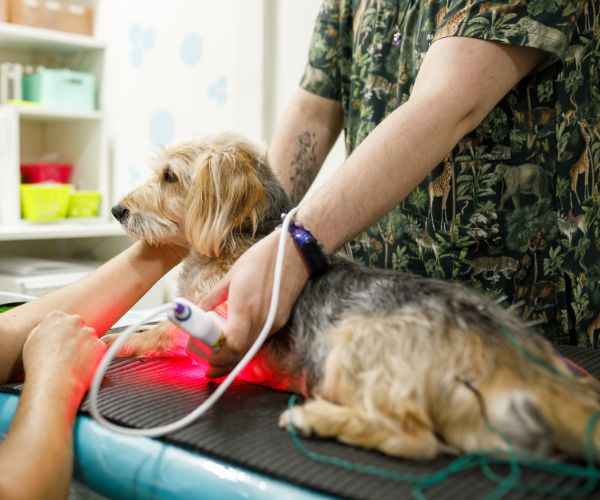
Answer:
(28, 133)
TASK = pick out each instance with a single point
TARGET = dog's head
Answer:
(215, 195)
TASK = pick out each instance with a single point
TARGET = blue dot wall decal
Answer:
(137, 56)
(135, 33)
(218, 90)
(191, 49)
(141, 41)
(162, 128)
(148, 39)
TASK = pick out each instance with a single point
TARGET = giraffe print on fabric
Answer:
(514, 210)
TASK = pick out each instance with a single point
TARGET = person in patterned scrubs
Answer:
(472, 133)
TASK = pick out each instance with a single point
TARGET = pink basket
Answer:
(33, 173)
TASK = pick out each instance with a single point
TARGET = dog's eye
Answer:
(169, 177)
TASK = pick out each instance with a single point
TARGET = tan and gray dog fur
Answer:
(403, 364)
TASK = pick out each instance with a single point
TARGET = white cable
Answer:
(212, 399)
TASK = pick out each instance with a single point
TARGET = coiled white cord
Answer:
(212, 399)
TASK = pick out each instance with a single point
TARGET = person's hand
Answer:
(61, 349)
(247, 288)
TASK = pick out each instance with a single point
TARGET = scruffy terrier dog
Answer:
(403, 364)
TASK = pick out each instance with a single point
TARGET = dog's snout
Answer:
(120, 212)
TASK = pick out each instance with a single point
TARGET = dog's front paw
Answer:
(161, 341)
(110, 338)
(130, 349)
(296, 417)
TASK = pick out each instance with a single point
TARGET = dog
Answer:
(407, 365)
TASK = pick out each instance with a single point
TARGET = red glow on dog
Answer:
(266, 376)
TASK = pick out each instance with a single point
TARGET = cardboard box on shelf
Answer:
(52, 14)
(3, 11)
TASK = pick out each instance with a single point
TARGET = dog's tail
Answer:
(547, 402)
(544, 406)
(570, 408)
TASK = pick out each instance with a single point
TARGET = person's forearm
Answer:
(36, 456)
(101, 298)
(303, 139)
(459, 83)
(107, 293)
(388, 164)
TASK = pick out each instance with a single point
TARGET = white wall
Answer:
(292, 26)
(185, 67)
(170, 74)
(291, 30)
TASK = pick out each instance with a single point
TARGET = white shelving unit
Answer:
(44, 115)
(28, 133)
(67, 229)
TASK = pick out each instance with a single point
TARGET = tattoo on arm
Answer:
(304, 166)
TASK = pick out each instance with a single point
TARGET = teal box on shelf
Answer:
(61, 89)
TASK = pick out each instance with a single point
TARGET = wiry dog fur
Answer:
(403, 364)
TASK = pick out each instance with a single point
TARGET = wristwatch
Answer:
(310, 248)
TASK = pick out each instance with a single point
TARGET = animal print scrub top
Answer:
(514, 209)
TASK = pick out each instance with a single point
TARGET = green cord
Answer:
(516, 461)
(468, 461)
(532, 357)
(464, 462)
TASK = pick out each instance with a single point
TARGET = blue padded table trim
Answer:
(120, 466)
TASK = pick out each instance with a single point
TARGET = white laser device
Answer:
(207, 327)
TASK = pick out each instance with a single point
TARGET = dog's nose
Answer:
(120, 212)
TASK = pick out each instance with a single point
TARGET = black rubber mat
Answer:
(242, 429)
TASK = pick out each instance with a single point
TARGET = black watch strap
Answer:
(309, 246)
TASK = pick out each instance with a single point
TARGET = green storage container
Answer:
(84, 204)
(61, 89)
(44, 202)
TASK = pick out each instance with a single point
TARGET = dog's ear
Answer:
(225, 200)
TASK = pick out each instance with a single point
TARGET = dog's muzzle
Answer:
(120, 213)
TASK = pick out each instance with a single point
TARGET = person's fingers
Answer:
(78, 320)
(217, 295)
(102, 347)
(196, 350)
(90, 331)
(224, 357)
(219, 371)
(238, 340)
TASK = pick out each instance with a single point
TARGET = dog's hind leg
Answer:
(369, 394)
(408, 438)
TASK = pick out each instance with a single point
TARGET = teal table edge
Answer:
(119, 466)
